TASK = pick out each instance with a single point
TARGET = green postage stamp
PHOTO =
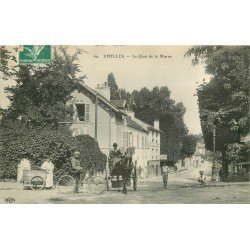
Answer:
(35, 54)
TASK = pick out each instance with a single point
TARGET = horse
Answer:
(124, 168)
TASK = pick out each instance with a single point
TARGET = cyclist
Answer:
(78, 170)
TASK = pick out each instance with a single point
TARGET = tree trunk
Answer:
(224, 166)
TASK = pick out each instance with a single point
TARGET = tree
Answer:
(40, 93)
(116, 93)
(149, 105)
(17, 140)
(5, 56)
(223, 101)
(113, 86)
(157, 104)
(188, 145)
(31, 123)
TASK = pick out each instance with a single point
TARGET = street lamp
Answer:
(214, 176)
(213, 122)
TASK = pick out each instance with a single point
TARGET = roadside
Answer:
(183, 188)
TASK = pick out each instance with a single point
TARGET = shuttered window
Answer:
(80, 109)
(87, 112)
(138, 141)
(125, 139)
(142, 141)
(82, 112)
(131, 139)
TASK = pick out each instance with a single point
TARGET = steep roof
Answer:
(114, 105)
(133, 124)
(118, 103)
(146, 125)
(101, 97)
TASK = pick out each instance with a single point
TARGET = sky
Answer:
(135, 67)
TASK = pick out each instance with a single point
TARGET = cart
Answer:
(34, 179)
(117, 183)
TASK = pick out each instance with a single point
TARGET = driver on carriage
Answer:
(115, 156)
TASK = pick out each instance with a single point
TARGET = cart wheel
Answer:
(66, 184)
(97, 184)
(37, 183)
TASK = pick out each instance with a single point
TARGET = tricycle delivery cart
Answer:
(34, 179)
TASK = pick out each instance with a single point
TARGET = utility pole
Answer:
(214, 176)
(212, 122)
(96, 113)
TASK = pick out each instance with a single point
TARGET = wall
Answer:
(110, 130)
(83, 127)
(153, 153)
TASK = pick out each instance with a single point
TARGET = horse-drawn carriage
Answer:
(124, 172)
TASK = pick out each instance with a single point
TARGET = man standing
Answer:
(165, 172)
(78, 170)
(114, 156)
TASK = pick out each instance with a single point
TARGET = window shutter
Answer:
(124, 139)
(87, 112)
(142, 141)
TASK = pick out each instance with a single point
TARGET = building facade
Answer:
(108, 121)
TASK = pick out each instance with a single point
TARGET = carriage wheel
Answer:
(134, 183)
(66, 184)
(135, 179)
(97, 184)
(37, 183)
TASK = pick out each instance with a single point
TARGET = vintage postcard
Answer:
(124, 124)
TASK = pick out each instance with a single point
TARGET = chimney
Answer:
(104, 90)
(157, 124)
(131, 113)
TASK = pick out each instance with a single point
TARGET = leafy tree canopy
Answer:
(224, 100)
(149, 105)
(188, 145)
(38, 102)
(116, 93)
(41, 92)
(18, 141)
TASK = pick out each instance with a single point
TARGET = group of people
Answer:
(114, 157)
(47, 166)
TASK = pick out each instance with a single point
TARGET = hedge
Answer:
(18, 141)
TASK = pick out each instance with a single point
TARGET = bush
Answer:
(18, 141)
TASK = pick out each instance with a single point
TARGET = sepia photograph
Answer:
(124, 124)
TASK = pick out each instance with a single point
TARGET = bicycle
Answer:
(68, 184)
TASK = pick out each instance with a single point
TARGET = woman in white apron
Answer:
(48, 166)
(23, 165)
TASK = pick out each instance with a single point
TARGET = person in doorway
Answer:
(48, 166)
(22, 166)
(115, 156)
(77, 169)
(165, 172)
